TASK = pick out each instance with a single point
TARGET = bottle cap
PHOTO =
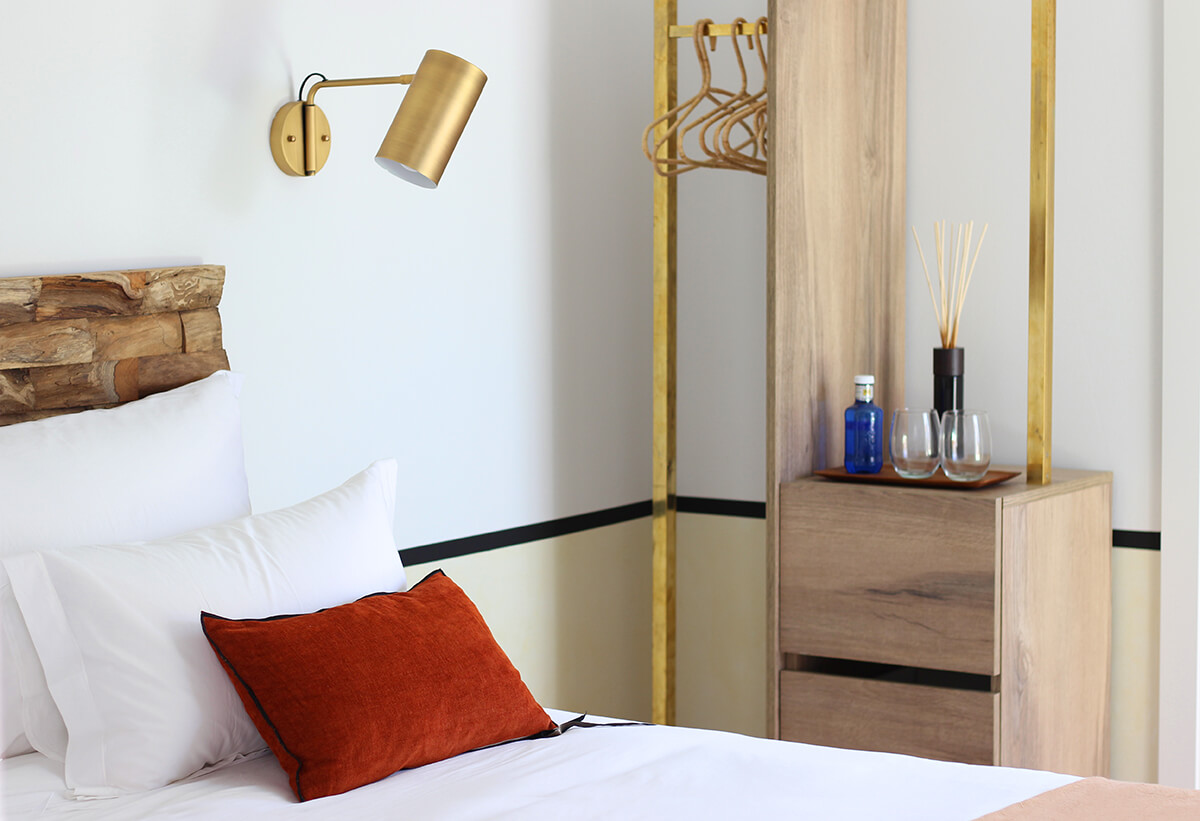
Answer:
(864, 379)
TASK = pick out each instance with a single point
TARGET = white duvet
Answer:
(604, 772)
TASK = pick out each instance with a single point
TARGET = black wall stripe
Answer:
(439, 551)
(721, 507)
(1143, 539)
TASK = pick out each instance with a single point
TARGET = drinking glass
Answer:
(966, 444)
(915, 442)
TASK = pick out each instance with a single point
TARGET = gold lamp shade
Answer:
(431, 118)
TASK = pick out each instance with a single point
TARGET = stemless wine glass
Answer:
(966, 444)
(915, 443)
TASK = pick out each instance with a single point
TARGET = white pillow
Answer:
(117, 627)
(155, 467)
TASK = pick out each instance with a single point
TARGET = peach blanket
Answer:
(1099, 799)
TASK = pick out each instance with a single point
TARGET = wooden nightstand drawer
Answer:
(971, 625)
(916, 588)
(867, 714)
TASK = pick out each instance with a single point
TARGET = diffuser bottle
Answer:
(864, 429)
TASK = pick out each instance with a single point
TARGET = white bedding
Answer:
(617, 772)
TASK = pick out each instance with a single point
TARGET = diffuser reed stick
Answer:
(952, 283)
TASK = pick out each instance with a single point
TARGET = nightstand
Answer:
(967, 625)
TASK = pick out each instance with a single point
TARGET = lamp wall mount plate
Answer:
(423, 135)
(287, 139)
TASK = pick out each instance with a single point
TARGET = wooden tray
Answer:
(889, 476)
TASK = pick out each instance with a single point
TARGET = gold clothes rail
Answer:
(666, 81)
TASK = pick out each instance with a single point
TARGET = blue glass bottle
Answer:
(864, 429)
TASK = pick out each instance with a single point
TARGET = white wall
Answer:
(491, 334)
(1179, 716)
(968, 158)
(722, 282)
(968, 121)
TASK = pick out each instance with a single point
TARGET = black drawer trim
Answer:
(892, 672)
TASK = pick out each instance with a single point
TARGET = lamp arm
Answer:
(309, 111)
(403, 79)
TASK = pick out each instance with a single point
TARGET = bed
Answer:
(167, 653)
(621, 772)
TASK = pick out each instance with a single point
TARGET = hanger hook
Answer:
(760, 28)
(698, 33)
(737, 50)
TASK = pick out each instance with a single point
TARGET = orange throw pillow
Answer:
(349, 695)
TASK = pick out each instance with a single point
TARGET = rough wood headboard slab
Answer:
(79, 341)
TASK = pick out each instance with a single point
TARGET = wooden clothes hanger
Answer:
(670, 166)
(731, 110)
(754, 112)
(678, 116)
(716, 117)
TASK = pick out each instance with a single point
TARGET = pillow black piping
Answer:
(254, 697)
(428, 576)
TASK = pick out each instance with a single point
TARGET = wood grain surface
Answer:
(79, 341)
(53, 343)
(891, 717)
(835, 237)
(201, 330)
(888, 476)
(1011, 581)
(18, 299)
(1057, 631)
(129, 293)
(889, 575)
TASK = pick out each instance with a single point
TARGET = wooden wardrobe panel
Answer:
(835, 236)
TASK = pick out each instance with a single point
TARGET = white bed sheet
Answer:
(618, 772)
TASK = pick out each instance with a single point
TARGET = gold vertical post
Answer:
(663, 486)
(1041, 243)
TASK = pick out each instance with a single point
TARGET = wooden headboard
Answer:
(73, 342)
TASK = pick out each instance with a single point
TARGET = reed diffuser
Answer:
(954, 278)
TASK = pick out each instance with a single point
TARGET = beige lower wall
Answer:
(1135, 664)
(721, 630)
(573, 613)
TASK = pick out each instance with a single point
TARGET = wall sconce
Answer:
(421, 138)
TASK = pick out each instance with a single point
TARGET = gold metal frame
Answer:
(714, 30)
(421, 138)
(663, 485)
(1041, 243)
(666, 80)
(1041, 276)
